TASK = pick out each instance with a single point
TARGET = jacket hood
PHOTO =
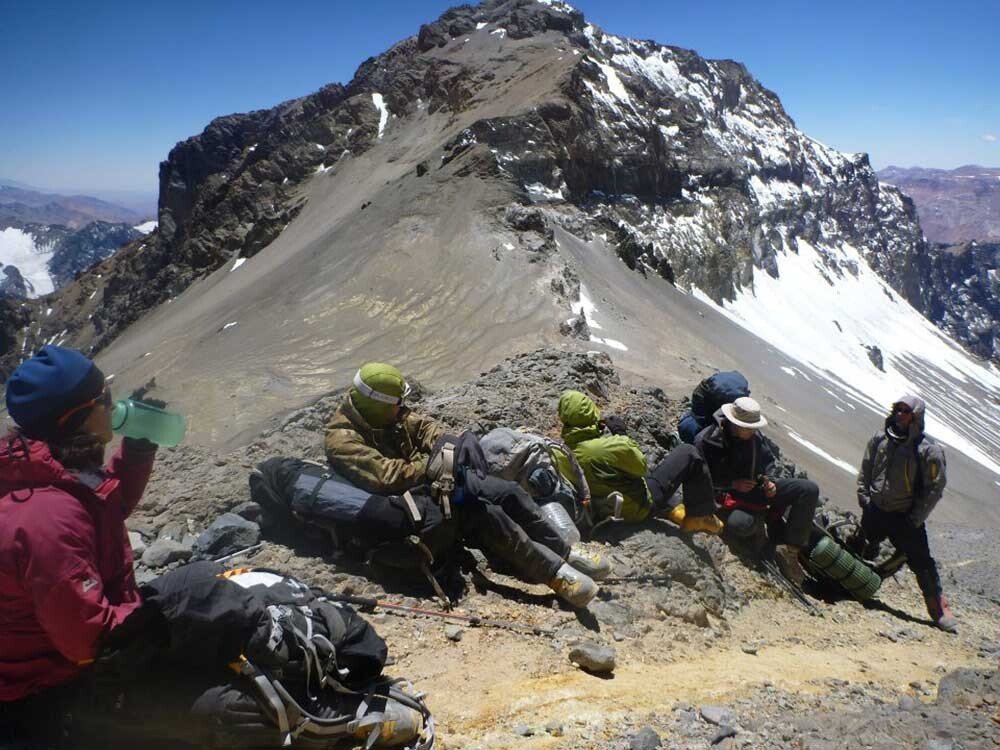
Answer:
(26, 463)
(580, 417)
(916, 430)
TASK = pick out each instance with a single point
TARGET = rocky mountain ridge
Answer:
(955, 205)
(20, 204)
(690, 165)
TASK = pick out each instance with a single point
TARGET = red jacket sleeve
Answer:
(131, 467)
(59, 570)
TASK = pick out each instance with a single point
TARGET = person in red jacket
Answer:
(66, 576)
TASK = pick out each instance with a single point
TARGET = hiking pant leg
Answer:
(912, 542)
(801, 497)
(683, 466)
(524, 511)
(487, 526)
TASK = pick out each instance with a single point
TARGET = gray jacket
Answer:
(903, 474)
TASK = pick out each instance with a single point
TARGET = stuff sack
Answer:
(408, 533)
(707, 398)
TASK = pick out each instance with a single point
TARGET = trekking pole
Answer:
(370, 602)
(792, 588)
(245, 551)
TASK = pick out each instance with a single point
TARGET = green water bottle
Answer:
(135, 419)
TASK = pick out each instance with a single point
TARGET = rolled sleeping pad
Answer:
(829, 560)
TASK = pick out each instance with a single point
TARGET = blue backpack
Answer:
(706, 399)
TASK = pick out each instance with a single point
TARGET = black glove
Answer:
(615, 425)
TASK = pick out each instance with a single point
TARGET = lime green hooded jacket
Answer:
(611, 463)
(376, 447)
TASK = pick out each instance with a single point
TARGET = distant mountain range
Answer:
(954, 205)
(20, 204)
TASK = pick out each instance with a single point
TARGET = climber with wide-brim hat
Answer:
(755, 505)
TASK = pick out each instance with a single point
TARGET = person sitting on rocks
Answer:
(66, 577)
(377, 443)
(902, 478)
(614, 463)
(742, 466)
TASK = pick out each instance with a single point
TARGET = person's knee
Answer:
(741, 524)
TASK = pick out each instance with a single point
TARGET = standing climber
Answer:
(902, 478)
(613, 462)
(377, 443)
(742, 467)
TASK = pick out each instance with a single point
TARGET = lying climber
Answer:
(902, 478)
(378, 444)
(741, 466)
(614, 463)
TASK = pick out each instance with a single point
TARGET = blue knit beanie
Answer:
(47, 386)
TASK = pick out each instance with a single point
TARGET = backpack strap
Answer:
(444, 485)
(412, 509)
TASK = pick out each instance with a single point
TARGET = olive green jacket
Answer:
(385, 461)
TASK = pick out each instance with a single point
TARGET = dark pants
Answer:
(683, 467)
(503, 521)
(788, 517)
(911, 540)
(160, 712)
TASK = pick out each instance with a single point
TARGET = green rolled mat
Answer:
(837, 564)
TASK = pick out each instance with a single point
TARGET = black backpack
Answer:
(313, 664)
(708, 397)
(407, 533)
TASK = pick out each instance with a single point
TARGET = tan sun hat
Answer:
(744, 412)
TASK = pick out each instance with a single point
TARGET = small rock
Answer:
(723, 733)
(523, 730)
(249, 510)
(748, 649)
(593, 657)
(453, 632)
(228, 533)
(940, 745)
(906, 703)
(165, 551)
(717, 715)
(645, 739)
(555, 729)
(137, 543)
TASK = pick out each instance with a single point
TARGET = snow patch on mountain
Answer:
(383, 113)
(146, 227)
(18, 249)
(827, 306)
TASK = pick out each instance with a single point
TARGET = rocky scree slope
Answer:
(688, 166)
(708, 654)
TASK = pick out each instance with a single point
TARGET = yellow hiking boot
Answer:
(676, 514)
(573, 587)
(708, 524)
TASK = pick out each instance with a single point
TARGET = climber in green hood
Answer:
(615, 463)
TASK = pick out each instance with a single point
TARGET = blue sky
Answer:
(94, 95)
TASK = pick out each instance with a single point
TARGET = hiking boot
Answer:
(708, 524)
(676, 514)
(395, 725)
(787, 558)
(592, 564)
(573, 587)
(940, 612)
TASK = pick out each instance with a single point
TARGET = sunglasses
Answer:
(104, 400)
